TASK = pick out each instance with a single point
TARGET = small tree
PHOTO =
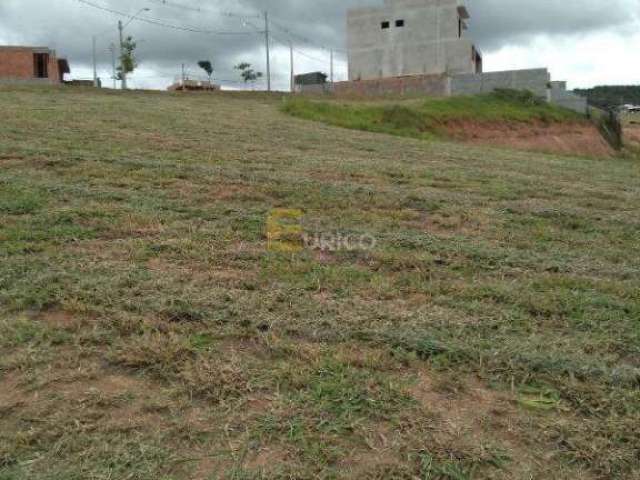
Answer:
(127, 59)
(248, 74)
(207, 66)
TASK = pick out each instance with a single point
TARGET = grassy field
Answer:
(489, 327)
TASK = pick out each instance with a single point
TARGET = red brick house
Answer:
(31, 65)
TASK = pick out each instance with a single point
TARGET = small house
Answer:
(314, 82)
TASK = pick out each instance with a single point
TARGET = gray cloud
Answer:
(496, 23)
(68, 26)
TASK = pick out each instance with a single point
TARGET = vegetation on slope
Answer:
(427, 118)
(147, 331)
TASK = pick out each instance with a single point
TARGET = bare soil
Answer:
(580, 139)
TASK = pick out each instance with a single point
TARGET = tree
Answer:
(248, 74)
(207, 66)
(127, 58)
(608, 97)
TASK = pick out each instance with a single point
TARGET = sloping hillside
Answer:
(506, 118)
(457, 312)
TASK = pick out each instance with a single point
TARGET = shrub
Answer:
(523, 97)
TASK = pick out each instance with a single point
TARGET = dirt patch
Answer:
(10, 394)
(324, 257)
(122, 402)
(229, 277)
(631, 135)
(108, 385)
(234, 192)
(469, 223)
(59, 319)
(70, 386)
(228, 192)
(266, 459)
(361, 464)
(185, 272)
(580, 138)
(7, 160)
(206, 467)
(466, 414)
(461, 406)
(166, 142)
(103, 250)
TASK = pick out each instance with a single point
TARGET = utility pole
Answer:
(184, 77)
(121, 27)
(438, 41)
(123, 73)
(331, 74)
(266, 35)
(293, 76)
(95, 62)
(112, 47)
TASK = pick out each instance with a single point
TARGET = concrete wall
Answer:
(535, 80)
(431, 85)
(316, 89)
(559, 95)
(428, 43)
(16, 65)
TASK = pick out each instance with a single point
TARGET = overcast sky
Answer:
(587, 42)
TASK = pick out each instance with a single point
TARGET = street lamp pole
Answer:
(123, 72)
(94, 44)
(114, 76)
(95, 62)
(121, 27)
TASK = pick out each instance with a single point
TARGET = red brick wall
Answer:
(434, 85)
(16, 63)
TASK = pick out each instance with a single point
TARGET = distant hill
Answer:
(611, 96)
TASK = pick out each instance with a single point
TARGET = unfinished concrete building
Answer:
(410, 37)
(31, 65)
(420, 47)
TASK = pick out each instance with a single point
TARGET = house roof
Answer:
(24, 47)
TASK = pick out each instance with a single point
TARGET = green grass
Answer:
(146, 330)
(428, 118)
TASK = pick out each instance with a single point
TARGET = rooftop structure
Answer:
(410, 37)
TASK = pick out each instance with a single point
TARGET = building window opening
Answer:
(41, 65)
(399, 23)
(385, 25)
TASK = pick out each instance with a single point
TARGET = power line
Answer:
(246, 22)
(162, 23)
(182, 6)
(305, 39)
(245, 17)
(301, 52)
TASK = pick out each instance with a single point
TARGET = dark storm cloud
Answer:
(68, 25)
(496, 23)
